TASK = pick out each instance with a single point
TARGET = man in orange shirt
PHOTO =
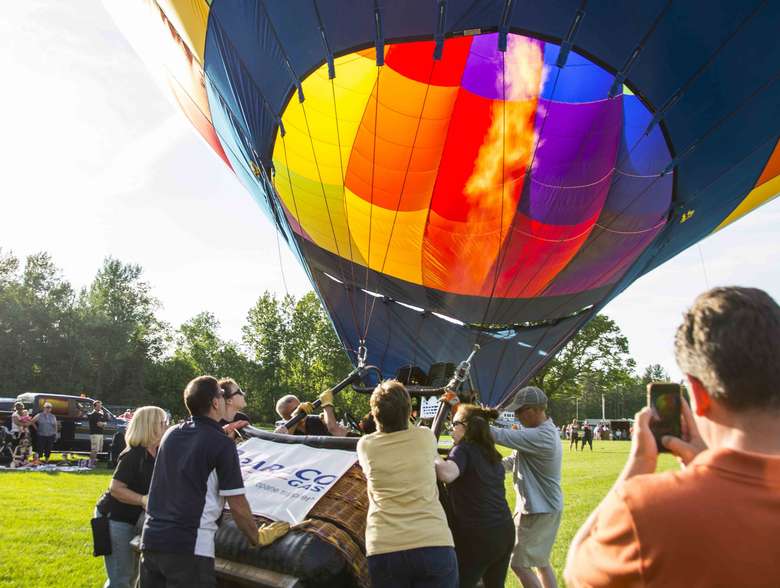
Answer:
(715, 522)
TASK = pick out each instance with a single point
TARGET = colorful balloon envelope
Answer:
(453, 172)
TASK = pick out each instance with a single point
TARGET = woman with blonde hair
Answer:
(483, 529)
(125, 501)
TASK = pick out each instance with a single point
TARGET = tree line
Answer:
(106, 341)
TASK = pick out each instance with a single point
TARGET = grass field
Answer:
(46, 540)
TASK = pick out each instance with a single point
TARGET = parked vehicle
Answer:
(71, 412)
(6, 408)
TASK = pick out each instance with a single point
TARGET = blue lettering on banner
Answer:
(310, 479)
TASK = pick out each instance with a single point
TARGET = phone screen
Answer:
(666, 401)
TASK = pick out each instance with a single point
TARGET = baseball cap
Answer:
(528, 396)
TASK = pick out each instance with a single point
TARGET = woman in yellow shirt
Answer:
(408, 541)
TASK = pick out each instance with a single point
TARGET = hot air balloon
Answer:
(452, 172)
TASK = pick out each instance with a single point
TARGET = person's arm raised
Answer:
(331, 422)
(530, 440)
(242, 515)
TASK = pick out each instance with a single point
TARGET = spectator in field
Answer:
(574, 434)
(587, 436)
(235, 401)
(483, 529)
(715, 522)
(408, 542)
(536, 472)
(322, 424)
(196, 471)
(22, 453)
(126, 499)
(97, 422)
(20, 423)
(47, 431)
(16, 424)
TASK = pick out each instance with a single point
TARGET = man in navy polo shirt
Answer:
(196, 470)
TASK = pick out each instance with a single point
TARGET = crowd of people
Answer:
(581, 433)
(22, 424)
(411, 541)
(446, 522)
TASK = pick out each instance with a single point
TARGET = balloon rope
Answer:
(703, 266)
(279, 246)
(371, 207)
(340, 262)
(343, 179)
(403, 187)
(349, 290)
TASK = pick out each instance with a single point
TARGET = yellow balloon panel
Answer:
(391, 240)
(190, 18)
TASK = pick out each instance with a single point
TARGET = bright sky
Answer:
(96, 161)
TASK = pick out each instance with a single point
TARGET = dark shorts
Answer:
(176, 570)
(424, 567)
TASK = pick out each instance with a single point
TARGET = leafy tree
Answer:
(123, 333)
(199, 342)
(655, 373)
(264, 334)
(595, 362)
(34, 322)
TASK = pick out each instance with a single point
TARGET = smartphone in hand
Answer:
(665, 398)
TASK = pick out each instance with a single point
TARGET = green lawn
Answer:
(46, 540)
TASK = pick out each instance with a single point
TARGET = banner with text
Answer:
(285, 480)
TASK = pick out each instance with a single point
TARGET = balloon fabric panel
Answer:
(435, 158)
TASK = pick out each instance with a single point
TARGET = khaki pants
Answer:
(96, 443)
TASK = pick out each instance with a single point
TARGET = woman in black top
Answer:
(235, 401)
(125, 500)
(484, 532)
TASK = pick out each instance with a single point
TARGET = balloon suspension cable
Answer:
(450, 397)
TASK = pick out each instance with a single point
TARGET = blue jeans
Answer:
(425, 567)
(122, 564)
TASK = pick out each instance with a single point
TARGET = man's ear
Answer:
(701, 396)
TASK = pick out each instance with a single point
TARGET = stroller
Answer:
(6, 446)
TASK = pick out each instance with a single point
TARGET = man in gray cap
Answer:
(536, 472)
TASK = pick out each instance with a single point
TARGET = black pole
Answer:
(354, 377)
(454, 385)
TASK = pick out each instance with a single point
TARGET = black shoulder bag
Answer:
(101, 534)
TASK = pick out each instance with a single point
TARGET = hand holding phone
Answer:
(665, 399)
